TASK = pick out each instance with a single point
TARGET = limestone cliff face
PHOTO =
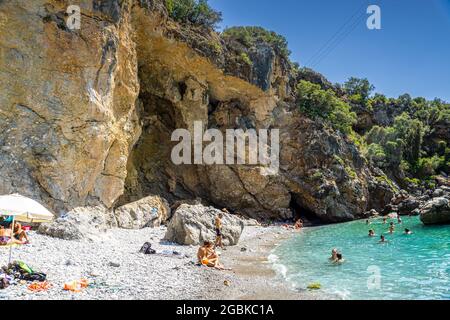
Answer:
(86, 116)
(67, 102)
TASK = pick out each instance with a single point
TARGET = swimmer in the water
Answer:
(339, 258)
(334, 254)
(407, 231)
(382, 239)
(384, 220)
(391, 228)
(371, 233)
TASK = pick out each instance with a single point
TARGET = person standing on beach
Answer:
(218, 229)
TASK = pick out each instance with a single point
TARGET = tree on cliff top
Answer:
(249, 36)
(358, 90)
(197, 12)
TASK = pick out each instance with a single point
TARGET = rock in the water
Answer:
(436, 211)
(150, 211)
(79, 224)
(193, 224)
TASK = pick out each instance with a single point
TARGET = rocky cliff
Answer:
(86, 116)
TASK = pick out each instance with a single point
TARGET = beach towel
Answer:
(39, 286)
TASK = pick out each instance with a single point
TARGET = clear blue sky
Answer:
(410, 54)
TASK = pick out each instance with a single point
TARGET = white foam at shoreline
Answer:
(280, 269)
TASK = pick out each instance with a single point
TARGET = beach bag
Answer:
(35, 276)
(147, 249)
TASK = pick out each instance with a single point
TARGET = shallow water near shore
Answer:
(412, 266)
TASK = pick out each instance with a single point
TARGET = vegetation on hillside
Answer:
(407, 147)
(406, 143)
(411, 144)
(196, 12)
(315, 102)
(249, 36)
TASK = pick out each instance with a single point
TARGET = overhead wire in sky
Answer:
(345, 29)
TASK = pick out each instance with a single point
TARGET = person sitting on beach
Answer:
(208, 257)
(391, 228)
(382, 239)
(20, 234)
(298, 224)
(371, 233)
(407, 231)
(6, 237)
(218, 229)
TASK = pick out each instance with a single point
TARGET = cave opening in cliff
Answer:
(301, 212)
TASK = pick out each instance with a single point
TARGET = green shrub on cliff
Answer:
(318, 103)
(249, 36)
(197, 12)
(398, 146)
(358, 90)
(245, 58)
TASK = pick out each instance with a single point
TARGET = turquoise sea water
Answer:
(413, 266)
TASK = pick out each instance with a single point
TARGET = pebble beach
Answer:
(115, 269)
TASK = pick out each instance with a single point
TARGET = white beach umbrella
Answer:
(24, 209)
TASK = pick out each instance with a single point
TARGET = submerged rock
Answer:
(193, 224)
(150, 211)
(436, 211)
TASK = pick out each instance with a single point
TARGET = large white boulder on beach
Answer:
(82, 223)
(193, 224)
(436, 211)
(151, 211)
